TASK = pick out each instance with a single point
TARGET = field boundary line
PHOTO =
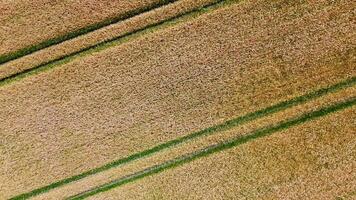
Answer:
(116, 40)
(76, 33)
(262, 132)
(207, 131)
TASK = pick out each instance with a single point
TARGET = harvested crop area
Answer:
(191, 100)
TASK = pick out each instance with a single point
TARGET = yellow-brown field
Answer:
(205, 99)
(310, 161)
(27, 22)
(121, 30)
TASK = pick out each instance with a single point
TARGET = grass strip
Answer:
(221, 127)
(115, 41)
(217, 148)
(53, 41)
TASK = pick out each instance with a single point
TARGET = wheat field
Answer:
(185, 99)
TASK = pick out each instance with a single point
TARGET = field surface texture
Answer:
(178, 99)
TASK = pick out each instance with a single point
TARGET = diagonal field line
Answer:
(221, 127)
(217, 148)
(107, 43)
(93, 27)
